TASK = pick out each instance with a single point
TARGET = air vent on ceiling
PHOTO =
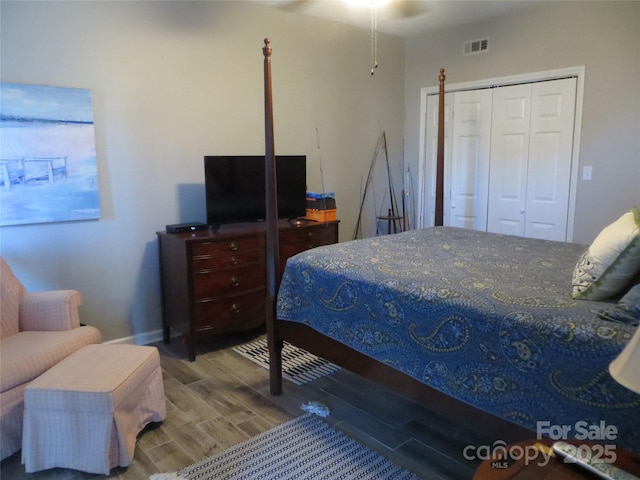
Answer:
(476, 46)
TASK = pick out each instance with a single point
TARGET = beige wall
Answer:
(172, 82)
(602, 36)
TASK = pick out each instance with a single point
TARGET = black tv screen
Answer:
(235, 190)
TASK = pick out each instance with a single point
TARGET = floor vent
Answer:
(476, 46)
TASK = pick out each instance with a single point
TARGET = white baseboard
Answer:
(139, 338)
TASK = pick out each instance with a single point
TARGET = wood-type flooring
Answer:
(223, 398)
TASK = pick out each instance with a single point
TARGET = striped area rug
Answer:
(303, 448)
(298, 365)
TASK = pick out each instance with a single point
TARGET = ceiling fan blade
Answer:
(289, 5)
(407, 8)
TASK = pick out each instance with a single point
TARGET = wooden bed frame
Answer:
(333, 351)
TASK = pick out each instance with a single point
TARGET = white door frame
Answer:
(423, 218)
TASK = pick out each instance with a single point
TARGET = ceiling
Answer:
(403, 17)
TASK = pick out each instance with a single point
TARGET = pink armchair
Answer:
(37, 330)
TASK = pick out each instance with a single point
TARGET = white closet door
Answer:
(509, 156)
(431, 154)
(469, 163)
(550, 153)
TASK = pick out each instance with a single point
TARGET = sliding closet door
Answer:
(550, 153)
(470, 157)
(467, 142)
(531, 152)
(509, 157)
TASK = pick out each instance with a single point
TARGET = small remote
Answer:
(584, 458)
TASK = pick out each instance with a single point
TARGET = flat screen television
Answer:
(235, 190)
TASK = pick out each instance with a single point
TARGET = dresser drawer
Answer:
(293, 242)
(287, 251)
(308, 237)
(239, 312)
(227, 246)
(208, 263)
(228, 282)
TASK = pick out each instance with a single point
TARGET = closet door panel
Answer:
(470, 158)
(550, 153)
(510, 137)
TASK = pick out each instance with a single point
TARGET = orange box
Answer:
(321, 215)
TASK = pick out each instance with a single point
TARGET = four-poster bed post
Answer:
(273, 253)
(439, 216)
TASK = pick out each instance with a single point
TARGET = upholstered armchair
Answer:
(37, 330)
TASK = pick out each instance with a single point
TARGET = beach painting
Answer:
(48, 167)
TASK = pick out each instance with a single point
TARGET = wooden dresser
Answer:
(215, 282)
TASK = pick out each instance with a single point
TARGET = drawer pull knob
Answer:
(235, 309)
(233, 261)
(310, 234)
(234, 282)
(233, 246)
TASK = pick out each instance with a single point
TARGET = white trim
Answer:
(575, 157)
(139, 339)
(420, 214)
(577, 71)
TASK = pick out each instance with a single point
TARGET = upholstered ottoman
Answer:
(86, 411)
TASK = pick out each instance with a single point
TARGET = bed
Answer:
(477, 325)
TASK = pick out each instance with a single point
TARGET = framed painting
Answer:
(48, 167)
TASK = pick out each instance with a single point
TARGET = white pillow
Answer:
(611, 261)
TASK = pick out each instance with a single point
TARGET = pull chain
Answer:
(374, 38)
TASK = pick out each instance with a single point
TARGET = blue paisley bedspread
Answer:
(485, 318)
